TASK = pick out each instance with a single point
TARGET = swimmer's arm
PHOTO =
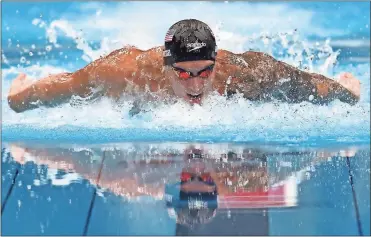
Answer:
(25, 94)
(67, 160)
(293, 85)
(107, 71)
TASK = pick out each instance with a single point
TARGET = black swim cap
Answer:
(189, 40)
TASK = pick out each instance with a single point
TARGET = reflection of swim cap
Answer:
(189, 40)
(190, 208)
(177, 198)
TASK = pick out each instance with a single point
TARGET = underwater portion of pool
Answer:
(117, 189)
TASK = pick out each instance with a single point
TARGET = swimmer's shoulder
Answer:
(133, 55)
(247, 59)
(125, 52)
(128, 57)
(144, 66)
(134, 51)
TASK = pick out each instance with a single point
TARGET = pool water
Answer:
(313, 162)
(117, 189)
(56, 37)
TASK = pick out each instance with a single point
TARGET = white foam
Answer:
(218, 119)
(64, 180)
(113, 30)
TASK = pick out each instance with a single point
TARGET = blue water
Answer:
(116, 189)
(56, 37)
(46, 198)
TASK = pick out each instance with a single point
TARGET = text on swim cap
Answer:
(196, 45)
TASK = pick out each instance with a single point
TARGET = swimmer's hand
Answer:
(20, 83)
(351, 83)
(25, 94)
(18, 154)
(350, 152)
(18, 92)
(344, 153)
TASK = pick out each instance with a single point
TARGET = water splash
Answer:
(218, 119)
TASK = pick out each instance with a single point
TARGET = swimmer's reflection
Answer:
(195, 183)
(193, 199)
(216, 183)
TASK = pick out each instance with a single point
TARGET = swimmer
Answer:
(190, 67)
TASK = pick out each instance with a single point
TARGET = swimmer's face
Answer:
(195, 175)
(194, 87)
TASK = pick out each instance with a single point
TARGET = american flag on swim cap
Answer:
(190, 32)
(169, 35)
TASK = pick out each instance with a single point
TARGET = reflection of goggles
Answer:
(205, 177)
(183, 74)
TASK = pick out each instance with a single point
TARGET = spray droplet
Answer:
(30, 53)
(48, 48)
(36, 182)
(23, 60)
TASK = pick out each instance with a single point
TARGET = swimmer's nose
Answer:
(196, 85)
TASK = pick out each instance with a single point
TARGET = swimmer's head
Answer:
(194, 199)
(189, 59)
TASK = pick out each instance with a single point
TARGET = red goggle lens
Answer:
(182, 74)
(185, 177)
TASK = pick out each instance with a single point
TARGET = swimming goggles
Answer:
(184, 75)
(205, 177)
